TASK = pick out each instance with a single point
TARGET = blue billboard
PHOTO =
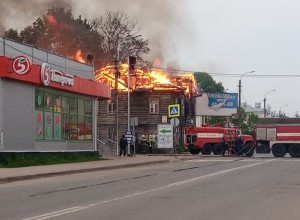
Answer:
(216, 101)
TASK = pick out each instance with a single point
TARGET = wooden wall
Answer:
(139, 107)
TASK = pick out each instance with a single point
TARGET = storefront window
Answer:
(88, 107)
(74, 127)
(73, 105)
(81, 128)
(48, 102)
(57, 126)
(57, 103)
(65, 120)
(88, 128)
(48, 123)
(80, 107)
(65, 104)
(39, 128)
(60, 117)
(39, 100)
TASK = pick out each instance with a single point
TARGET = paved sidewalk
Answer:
(112, 162)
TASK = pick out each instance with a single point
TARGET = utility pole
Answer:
(116, 67)
(280, 113)
(131, 69)
(239, 108)
(240, 95)
(265, 100)
(265, 111)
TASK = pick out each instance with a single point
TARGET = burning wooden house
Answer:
(140, 102)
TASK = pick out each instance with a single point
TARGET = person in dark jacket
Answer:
(239, 145)
(123, 144)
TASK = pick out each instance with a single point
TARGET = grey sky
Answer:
(215, 36)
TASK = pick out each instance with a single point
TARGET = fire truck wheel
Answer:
(294, 150)
(206, 149)
(279, 150)
(194, 151)
(249, 149)
(218, 149)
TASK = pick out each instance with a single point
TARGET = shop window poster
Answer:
(48, 122)
(57, 127)
(39, 133)
(48, 102)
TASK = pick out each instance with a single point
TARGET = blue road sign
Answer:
(174, 110)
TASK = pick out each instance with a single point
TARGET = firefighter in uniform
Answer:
(143, 144)
(150, 143)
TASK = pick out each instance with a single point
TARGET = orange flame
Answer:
(52, 20)
(141, 80)
(78, 56)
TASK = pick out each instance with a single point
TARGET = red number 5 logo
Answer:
(21, 65)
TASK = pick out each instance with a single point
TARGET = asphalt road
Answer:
(206, 188)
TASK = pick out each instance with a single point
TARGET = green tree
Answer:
(207, 84)
(12, 34)
(249, 120)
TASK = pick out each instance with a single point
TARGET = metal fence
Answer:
(107, 148)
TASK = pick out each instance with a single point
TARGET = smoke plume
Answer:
(159, 20)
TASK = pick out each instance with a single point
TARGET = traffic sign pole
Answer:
(174, 122)
(174, 144)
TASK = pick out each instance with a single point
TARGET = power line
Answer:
(227, 74)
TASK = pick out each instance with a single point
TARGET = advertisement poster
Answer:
(164, 136)
(217, 104)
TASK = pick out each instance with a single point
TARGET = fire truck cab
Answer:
(217, 139)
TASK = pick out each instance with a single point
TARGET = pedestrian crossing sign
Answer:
(174, 110)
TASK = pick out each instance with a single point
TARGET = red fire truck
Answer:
(279, 138)
(217, 139)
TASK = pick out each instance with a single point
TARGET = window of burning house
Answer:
(111, 133)
(60, 116)
(154, 106)
(110, 107)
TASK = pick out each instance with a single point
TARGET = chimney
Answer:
(90, 59)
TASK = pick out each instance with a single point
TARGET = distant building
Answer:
(257, 111)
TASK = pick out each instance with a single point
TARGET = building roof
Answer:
(251, 109)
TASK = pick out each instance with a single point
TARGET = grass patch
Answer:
(25, 159)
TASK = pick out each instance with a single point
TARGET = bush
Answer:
(180, 149)
(23, 159)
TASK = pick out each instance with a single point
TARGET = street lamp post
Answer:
(117, 64)
(265, 99)
(280, 109)
(128, 108)
(240, 94)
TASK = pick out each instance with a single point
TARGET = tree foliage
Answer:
(207, 84)
(121, 36)
(59, 32)
(248, 121)
(12, 34)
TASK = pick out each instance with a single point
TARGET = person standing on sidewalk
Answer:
(122, 145)
(150, 144)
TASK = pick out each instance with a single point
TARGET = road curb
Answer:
(67, 172)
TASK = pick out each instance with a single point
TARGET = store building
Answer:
(47, 102)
